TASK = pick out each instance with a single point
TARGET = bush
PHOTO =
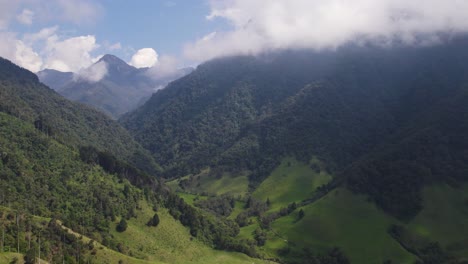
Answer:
(154, 221)
(122, 226)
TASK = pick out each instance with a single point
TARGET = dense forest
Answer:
(374, 115)
(58, 173)
(23, 96)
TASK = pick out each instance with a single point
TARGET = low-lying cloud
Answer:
(166, 67)
(92, 74)
(262, 25)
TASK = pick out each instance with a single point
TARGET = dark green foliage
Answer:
(428, 252)
(242, 219)
(113, 165)
(154, 221)
(301, 214)
(30, 256)
(222, 205)
(217, 231)
(385, 121)
(260, 236)
(334, 256)
(73, 124)
(46, 178)
(47, 239)
(122, 225)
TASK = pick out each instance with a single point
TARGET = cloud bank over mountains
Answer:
(263, 25)
(92, 74)
(255, 26)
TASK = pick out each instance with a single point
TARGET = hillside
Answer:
(23, 96)
(47, 185)
(121, 89)
(248, 112)
(335, 143)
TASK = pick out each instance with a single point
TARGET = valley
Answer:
(294, 155)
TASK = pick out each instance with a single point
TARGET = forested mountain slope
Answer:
(351, 108)
(59, 171)
(337, 105)
(23, 96)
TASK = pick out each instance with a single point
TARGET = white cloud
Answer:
(19, 52)
(166, 67)
(43, 34)
(92, 74)
(69, 55)
(27, 58)
(26, 17)
(261, 25)
(144, 58)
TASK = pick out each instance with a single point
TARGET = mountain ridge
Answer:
(120, 88)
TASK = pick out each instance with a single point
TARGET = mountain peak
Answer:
(112, 59)
(116, 65)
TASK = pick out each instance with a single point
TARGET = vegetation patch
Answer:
(292, 181)
(340, 219)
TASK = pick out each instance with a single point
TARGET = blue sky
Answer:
(71, 35)
(122, 27)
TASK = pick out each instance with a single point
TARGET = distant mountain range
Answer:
(110, 85)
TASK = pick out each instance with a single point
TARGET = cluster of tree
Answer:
(219, 232)
(220, 205)
(266, 220)
(46, 178)
(429, 151)
(307, 256)
(36, 239)
(154, 221)
(113, 165)
(428, 252)
(253, 207)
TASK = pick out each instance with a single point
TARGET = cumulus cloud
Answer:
(92, 74)
(144, 58)
(27, 57)
(19, 52)
(69, 55)
(26, 17)
(261, 25)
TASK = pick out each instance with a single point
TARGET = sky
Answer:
(71, 35)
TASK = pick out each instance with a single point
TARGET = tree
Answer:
(154, 221)
(301, 214)
(122, 226)
(260, 236)
(30, 256)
